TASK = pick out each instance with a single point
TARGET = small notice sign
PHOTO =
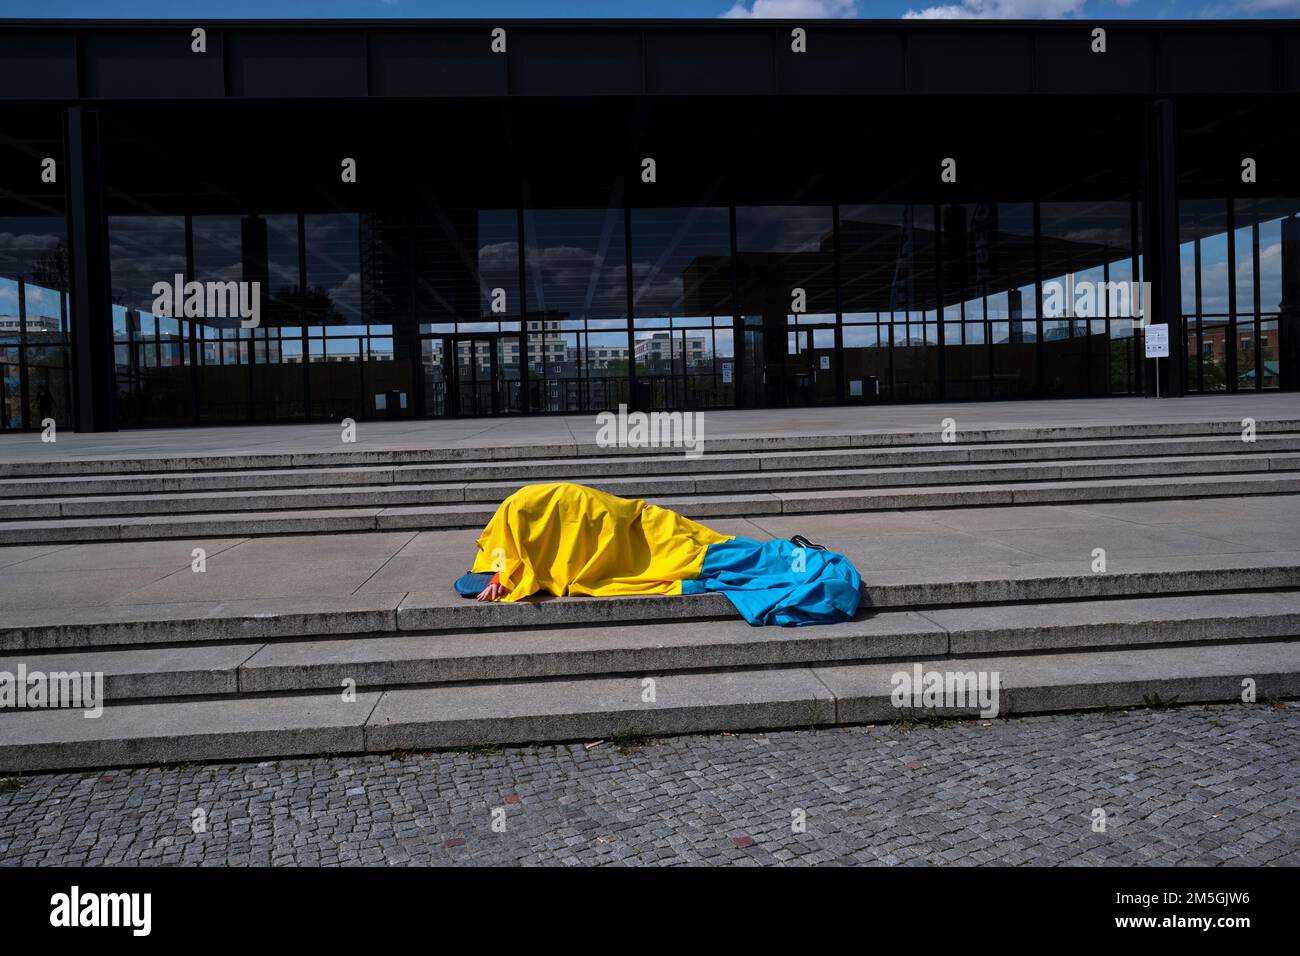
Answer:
(726, 373)
(1157, 341)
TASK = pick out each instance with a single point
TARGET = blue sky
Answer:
(878, 9)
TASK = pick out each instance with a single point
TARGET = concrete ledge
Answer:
(450, 516)
(564, 652)
(462, 715)
(1144, 620)
(441, 657)
(439, 610)
(1006, 584)
(515, 450)
(188, 671)
(1047, 682)
(1177, 486)
(479, 714)
(166, 731)
(235, 503)
(116, 625)
(713, 463)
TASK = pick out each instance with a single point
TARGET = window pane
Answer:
(144, 250)
(576, 279)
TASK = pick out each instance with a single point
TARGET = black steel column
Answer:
(90, 299)
(739, 345)
(1160, 233)
(1288, 318)
(254, 266)
(633, 402)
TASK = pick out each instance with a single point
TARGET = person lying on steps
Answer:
(567, 539)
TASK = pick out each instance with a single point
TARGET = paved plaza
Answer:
(1211, 785)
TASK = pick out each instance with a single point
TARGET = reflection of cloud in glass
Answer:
(498, 257)
(144, 250)
(1270, 275)
(347, 296)
(571, 274)
(1214, 273)
(656, 287)
(782, 228)
(27, 244)
(41, 301)
(1111, 236)
(681, 260)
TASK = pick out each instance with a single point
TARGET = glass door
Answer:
(470, 375)
(11, 403)
(475, 376)
(809, 372)
(754, 378)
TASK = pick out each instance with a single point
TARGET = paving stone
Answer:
(1023, 796)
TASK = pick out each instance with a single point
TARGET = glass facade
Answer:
(467, 309)
(1239, 262)
(989, 328)
(35, 343)
(151, 353)
(889, 289)
(250, 374)
(576, 281)
(1089, 347)
(684, 327)
(576, 310)
(786, 297)
(356, 286)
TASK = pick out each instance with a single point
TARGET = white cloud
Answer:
(1268, 6)
(1006, 10)
(794, 9)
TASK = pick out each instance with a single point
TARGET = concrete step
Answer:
(58, 463)
(376, 661)
(699, 506)
(587, 708)
(492, 492)
(613, 466)
(129, 625)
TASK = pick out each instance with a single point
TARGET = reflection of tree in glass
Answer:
(1213, 375)
(51, 269)
(315, 302)
(1246, 362)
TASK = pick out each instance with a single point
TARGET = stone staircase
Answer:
(373, 673)
(447, 488)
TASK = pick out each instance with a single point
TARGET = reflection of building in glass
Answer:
(10, 325)
(666, 347)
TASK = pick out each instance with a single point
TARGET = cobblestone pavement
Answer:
(1194, 785)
